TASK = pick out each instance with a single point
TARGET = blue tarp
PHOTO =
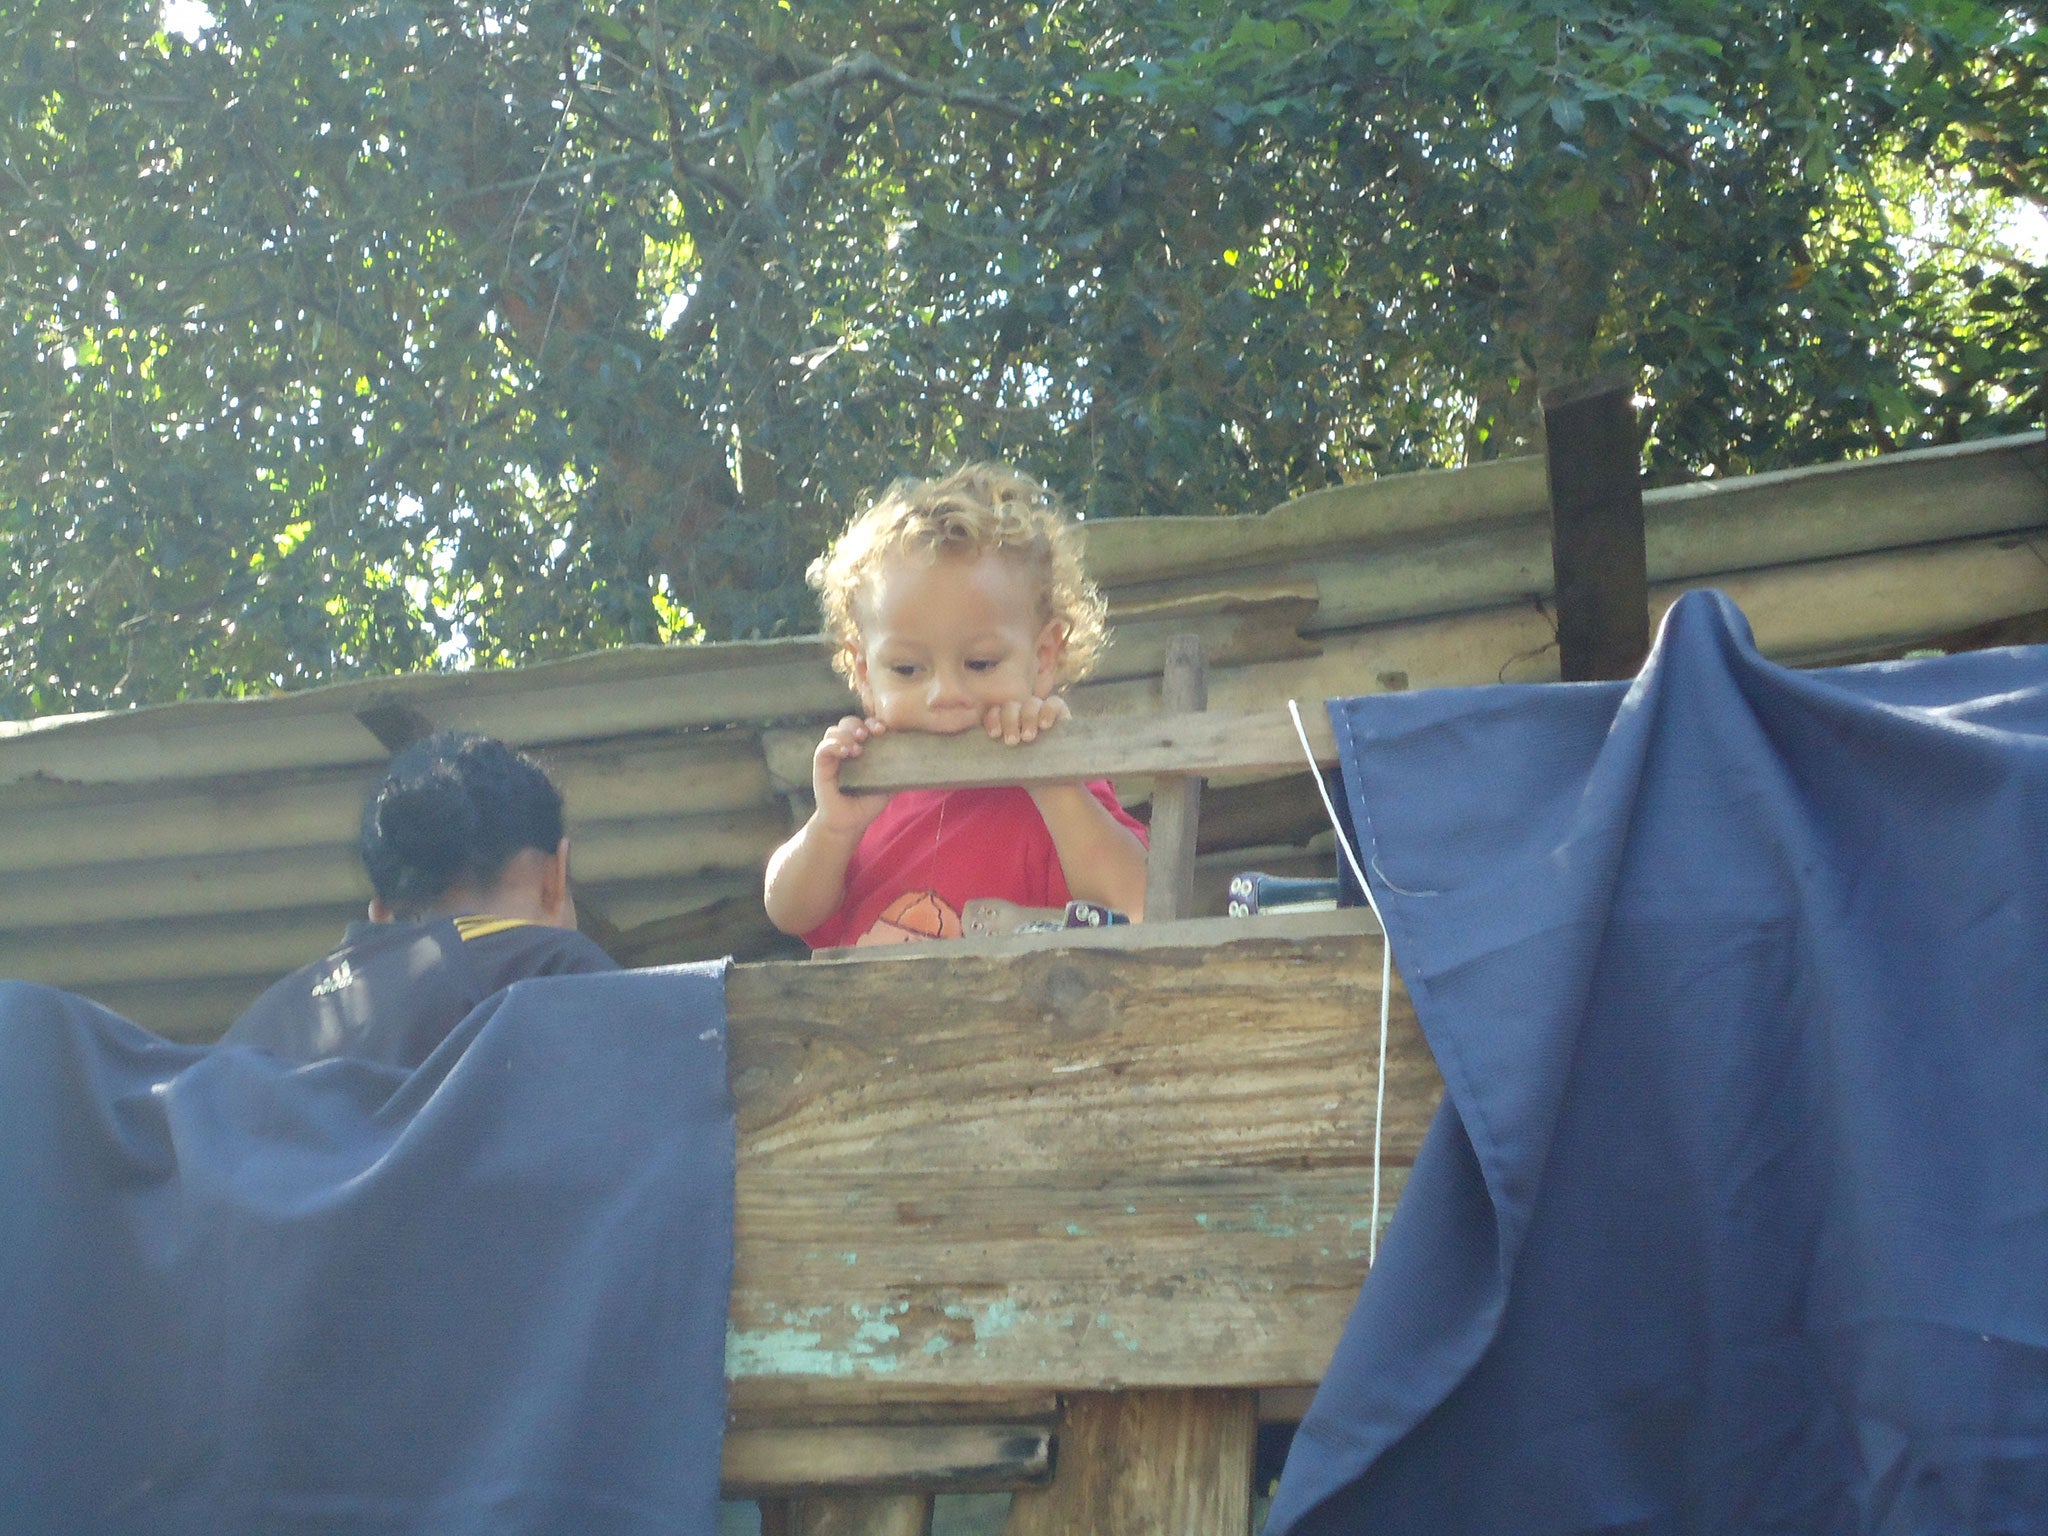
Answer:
(239, 1295)
(1734, 1218)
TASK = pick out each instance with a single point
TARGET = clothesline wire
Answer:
(1379, 1108)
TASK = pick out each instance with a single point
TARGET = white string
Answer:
(1379, 1108)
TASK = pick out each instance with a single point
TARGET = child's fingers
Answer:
(825, 769)
(1018, 722)
(1051, 711)
(850, 732)
(1022, 720)
(1030, 719)
(839, 742)
(1036, 716)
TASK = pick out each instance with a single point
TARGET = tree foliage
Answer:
(365, 335)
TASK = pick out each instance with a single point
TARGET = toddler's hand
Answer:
(1024, 719)
(837, 809)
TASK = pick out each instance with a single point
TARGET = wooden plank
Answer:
(1123, 552)
(1823, 512)
(1258, 743)
(167, 950)
(1806, 613)
(611, 693)
(1136, 1168)
(631, 688)
(687, 894)
(1176, 797)
(1348, 922)
(1076, 1282)
(674, 847)
(1238, 623)
(56, 826)
(735, 925)
(1702, 531)
(1285, 1405)
(936, 1458)
(1953, 493)
(1475, 567)
(191, 1010)
(1809, 614)
(395, 723)
(794, 1405)
(857, 1514)
(1147, 1464)
(1823, 611)
(1844, 607)
(1596, 520)
(1147, 1166)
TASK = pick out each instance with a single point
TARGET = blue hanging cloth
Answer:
(1734, 1218)
(340, 1299)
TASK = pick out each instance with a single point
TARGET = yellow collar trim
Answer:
(482, 925)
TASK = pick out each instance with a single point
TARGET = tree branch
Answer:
(862, 66)
(671, 120)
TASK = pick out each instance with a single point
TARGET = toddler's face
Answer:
(941, 643)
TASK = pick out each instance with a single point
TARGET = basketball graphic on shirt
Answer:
(913, 916)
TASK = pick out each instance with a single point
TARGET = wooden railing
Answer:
(1055, 1212)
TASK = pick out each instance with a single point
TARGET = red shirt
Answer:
(932, 851)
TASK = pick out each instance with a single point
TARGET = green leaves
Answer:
(372, 335)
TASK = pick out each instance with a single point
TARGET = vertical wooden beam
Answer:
(1147, 1464)
(1154, 1463)
(848, 1514)
(395, 721)
(1596, 523)
(1177, 798)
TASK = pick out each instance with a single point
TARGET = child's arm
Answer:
(807, 875)
(1102, 859)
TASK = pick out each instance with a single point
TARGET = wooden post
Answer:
(849, 1514)
(396, 722)
(1176, 798)
(1147, 1464)
(1154, 1463)
(1596, 523)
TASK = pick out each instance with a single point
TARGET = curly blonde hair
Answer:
(971, 511)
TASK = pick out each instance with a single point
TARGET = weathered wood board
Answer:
(1147, 1462)
(938, 1458)
(1262, 742)
(1069, 1169)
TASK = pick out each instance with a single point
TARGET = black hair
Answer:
(453, 810)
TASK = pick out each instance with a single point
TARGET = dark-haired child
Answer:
(464, 847)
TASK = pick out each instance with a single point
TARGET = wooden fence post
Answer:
(1176, 798)
(1152, 1463)
(848, 1514)
(1596, 522)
